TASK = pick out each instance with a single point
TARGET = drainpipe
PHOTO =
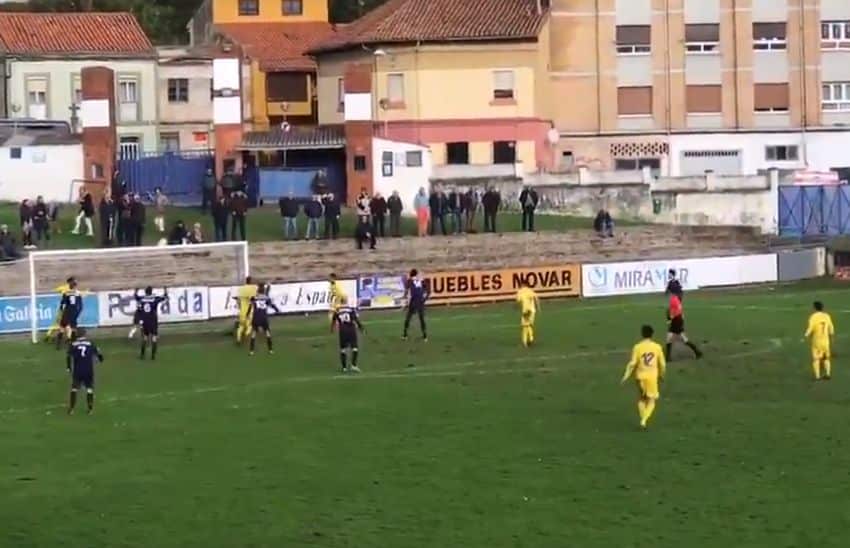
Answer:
(598, 70)
(803, 81)
(669, 62)
(735, 62)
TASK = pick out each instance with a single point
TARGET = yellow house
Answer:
(274, 36)
(472, 87)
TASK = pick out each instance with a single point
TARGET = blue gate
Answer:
(179, 174)
(814, 210)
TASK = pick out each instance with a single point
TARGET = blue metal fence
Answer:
(179, 174)
(814, 210)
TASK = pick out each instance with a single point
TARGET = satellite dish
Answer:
(285, 127)
(552, 136)
(384, 104)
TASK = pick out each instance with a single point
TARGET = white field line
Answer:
(444, 370)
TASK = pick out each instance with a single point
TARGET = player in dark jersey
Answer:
(258, 311)
(674, 286)
(416, 292)
(70, 308)
(347, 322)
(81, 355)
(148, 305)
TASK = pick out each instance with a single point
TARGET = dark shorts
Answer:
(347, 338)
(150, 329)
(260, 323)
(137, 317)
(68, 320)
(416, 308)
(83, 378)
(677, 325)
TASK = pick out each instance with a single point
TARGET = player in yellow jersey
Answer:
(243, 296)
(529, 305)
(54, 327)
(820, 333)
(648, 367)
(338, 296)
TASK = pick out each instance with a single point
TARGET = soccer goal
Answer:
(124, 268)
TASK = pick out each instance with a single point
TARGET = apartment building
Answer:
(685, 86)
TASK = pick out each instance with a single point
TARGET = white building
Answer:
(46, 52)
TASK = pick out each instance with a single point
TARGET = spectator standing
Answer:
(178, 235)
(455, 207)
(238, 210)
(528, 200)
(220, 215)
(25, 215)
(603, 224)
(421, 205)
(473, 203)
(364, 233)
(161, 202)
(208, 189)
(378, 208)
(53, 217)
(228, 183)
(41, 222)
(107, 212)
(363, 201)
(118, 187)
(289, 212)
(8, 245)
(437, 204)
(197, 234)
(124, 228)
(138, 218)
(313, 211)
(395, 207)
(86, 213)
(491, 202)
(332, 213)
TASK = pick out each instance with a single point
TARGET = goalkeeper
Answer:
(57, 317)
(243, 297)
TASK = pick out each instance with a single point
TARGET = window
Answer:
(782, 153)
(503, 84)
(359, 163)
(504, 152)
(340, 95)
(633, 39)
(128, 147)
(771, 97)
(249, 7)
(169, 142)
(704, 99)
(835, 35)
(395, 90)
(413, 158)
(634, 101)
(15, 153)
(457, 153)
(702, 38)
(178, 90)
(128, 100)
(36, 98)
(769, 36)
(836, 96)
(635, 164)
(292, 7)
(287, 87)
(387, 163)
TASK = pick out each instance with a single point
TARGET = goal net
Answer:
(126, 268)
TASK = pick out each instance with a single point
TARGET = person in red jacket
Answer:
(676, 329)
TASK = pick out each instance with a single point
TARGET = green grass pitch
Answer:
(466, 441)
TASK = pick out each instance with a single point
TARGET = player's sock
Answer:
(649, 409)
(530, 334)
(132, 332)
(58, 340)
(144, 348)
(816, 369)
(693, 347)
(343, 359)
(252, 344)
(354, 354)
(153, 350)
(90, 401)
(269, 343)
(827, 368)
(642, 412)
(72, 401)
(667, 351)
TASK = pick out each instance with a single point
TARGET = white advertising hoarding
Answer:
(185, 304)
(290, 298)
(607, 279)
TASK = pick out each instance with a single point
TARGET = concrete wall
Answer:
(405, 179)
(61, 76)
(41, 171)
(227, 11)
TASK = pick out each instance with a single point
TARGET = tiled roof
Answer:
(297, 138)
(278, 46)
(63, 34)
(404, 21)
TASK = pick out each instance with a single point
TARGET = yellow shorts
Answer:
(244, 318)
(821, 352)
(648, 388)
(528, 318)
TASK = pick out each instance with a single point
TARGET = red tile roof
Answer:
(279, 47)
(64, 34)
(405, 21)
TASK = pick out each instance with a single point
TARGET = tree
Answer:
(344, 11)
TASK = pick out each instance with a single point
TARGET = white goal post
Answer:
(124, 268)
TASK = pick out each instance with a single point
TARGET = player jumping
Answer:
(820, 334)
(416, 293)
(80, 363)
(648, 366)
(530, 305)
(149, 306)
(676, 329)
(338, 296)
(348, 323)
(243, 297)
(259, 313)
(54, 327)
(70, 308)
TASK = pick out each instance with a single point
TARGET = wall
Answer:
(44, 170)
(227, 11)
(406, 180)
(199, 107)
(61, 75)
